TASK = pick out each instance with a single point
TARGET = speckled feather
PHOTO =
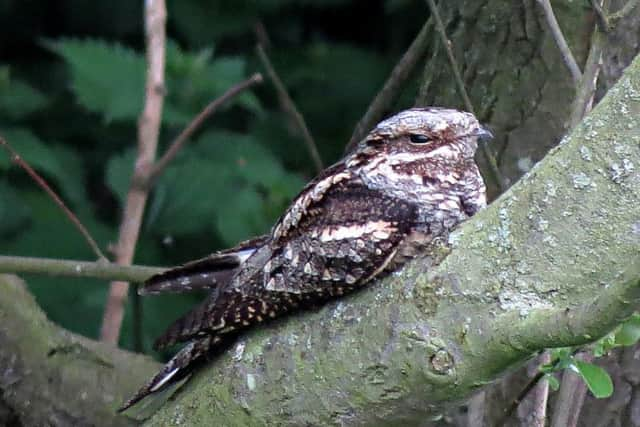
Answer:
(412, 179)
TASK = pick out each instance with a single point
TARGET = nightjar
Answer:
(411, 179)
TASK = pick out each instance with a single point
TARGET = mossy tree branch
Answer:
(49, 376)
(553, 262)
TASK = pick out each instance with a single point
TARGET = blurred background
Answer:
(71, 90)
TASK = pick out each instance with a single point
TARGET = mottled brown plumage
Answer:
(413, 178)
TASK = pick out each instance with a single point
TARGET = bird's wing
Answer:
(341, 241)
(209, 273)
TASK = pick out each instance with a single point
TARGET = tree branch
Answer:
(197, 121)
(148, 132)
(15, 157)
(290, 108)
(49, 376)
(561, 42)
(622, 13)
(491, 160)
(73, 268)
(392, 87)
(541, 267)
(586, 89)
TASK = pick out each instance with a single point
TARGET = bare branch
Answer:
(587, 87)
(539, 395)
(570, 397)
(622, 13)
(493, 165)
(188, 131)
(392, 87)
(148, 131)
(601, 16)
(561, 42)
(73, 268)
(290, 108)
(15, 157)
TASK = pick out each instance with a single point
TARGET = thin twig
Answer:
(476, 408)
(392, 88)
(493, 165)
(15, 157)
(622, 13)
(452, 59)
(586, 90)
(540, 396)
(601, 17)
(148, 131)
(544, 358)
(73, 268)
(523, 394)
(186, 133)
(561, 42)
(290, 108)
(570, 397)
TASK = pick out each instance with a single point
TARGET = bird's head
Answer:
(437, 132)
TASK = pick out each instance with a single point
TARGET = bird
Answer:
(410, 181)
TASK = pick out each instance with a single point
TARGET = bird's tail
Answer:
(209, 273)
(177, 370)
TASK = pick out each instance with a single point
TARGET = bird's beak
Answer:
(483, 134)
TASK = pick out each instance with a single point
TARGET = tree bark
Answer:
(51, 377)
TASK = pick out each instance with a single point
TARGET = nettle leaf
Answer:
(119, 172)
(187, 196)
(596, 378)
(107, 78)
(225, 181)
(19, 99)
(195, 79)
(241, 217)
(13, 212)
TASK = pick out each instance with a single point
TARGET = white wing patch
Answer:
(379, 230)
(244, 254)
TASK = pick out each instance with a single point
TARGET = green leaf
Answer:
(225, 182)
(596, 378)
(629, 332)
(119, 172)
(13, 212)
(604, 345)
(19, 99)
(194, 79)
(107, 78)
(553, 382)
(561, 358)
(241, 217)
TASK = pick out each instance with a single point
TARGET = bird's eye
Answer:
(419, 139)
